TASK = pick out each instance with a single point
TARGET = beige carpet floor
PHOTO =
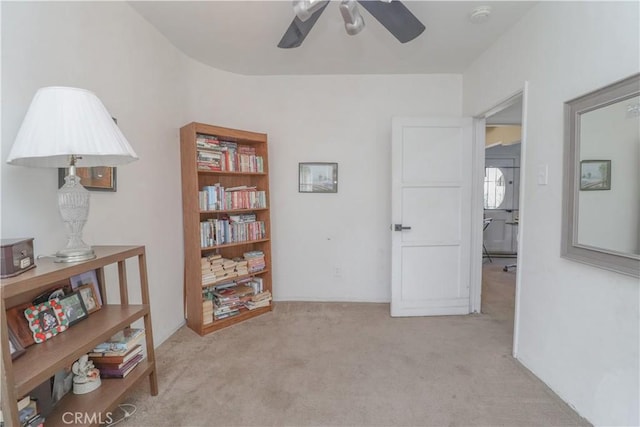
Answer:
(351, 364)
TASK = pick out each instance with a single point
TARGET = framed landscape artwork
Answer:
(595, 175)
(318, 177)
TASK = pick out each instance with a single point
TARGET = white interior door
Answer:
(499, 204)
(431, 209)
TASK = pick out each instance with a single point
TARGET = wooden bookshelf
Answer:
(42, 361)
(193, 181)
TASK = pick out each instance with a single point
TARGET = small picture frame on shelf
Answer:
(73, 307)
(89, 298)
(46, 320)
(15, 348)
(317, 177)
(87, 278)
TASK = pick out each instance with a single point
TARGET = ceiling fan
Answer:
(392, 14)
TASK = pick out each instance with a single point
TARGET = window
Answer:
(494, 188)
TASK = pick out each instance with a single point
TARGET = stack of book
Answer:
(242, 267)
(28, 414)
(263, 299)
(228, 300)
(255, 261)
(118, 356)
(208, 142)
(207, 311)
(216, 269)
(209, 160)
(212, 270)
(210, 156)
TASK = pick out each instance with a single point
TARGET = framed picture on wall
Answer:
(98, 178)
(595, 175)
(318, 177)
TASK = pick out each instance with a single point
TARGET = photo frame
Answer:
(317, 177)
(96, 178)
(46, 320)
(89, 298)
(15, 347)
(87, 278)
(17, 323)
(74, 308)
(595, 175)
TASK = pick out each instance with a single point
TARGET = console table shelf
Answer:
(42, 361)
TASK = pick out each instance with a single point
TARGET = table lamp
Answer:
(65, 127)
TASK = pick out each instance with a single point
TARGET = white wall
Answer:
(110, 50)
(343, 119)
(153, 90)
(579, 325)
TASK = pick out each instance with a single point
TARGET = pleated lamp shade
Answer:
(65, 121)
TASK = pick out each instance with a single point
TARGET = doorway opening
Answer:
(501, 209)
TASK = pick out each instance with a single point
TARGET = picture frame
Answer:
(87, 278)
(46, 320)
(89, 299)
(96, 178)
(15, 347)
(73, 307)
(595, 175)
(19, 325)
(317, 177)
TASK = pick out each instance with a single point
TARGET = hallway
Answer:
(499, 290)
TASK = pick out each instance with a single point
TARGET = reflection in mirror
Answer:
(609, 196)
(601, 200)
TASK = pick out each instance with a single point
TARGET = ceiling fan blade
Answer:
(298, 30)
(395, 17)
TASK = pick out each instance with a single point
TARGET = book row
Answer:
(216, 155)
(231, 229)
(216, 198)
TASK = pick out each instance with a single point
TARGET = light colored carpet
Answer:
(351, 364)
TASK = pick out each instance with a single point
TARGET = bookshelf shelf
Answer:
(230, 245)
(63, 349)
(41, 361)
(103, 400)
(244, 315)
(208, 172)
(251, 173)
(244, 276)
(222, 211)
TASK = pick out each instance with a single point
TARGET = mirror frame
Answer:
(604, 258)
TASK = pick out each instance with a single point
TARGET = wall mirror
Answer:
(601, 198)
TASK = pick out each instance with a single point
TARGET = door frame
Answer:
(477, 207)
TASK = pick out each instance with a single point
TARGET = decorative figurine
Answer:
(86, 376)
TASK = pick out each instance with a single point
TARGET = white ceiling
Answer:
(242, 37)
